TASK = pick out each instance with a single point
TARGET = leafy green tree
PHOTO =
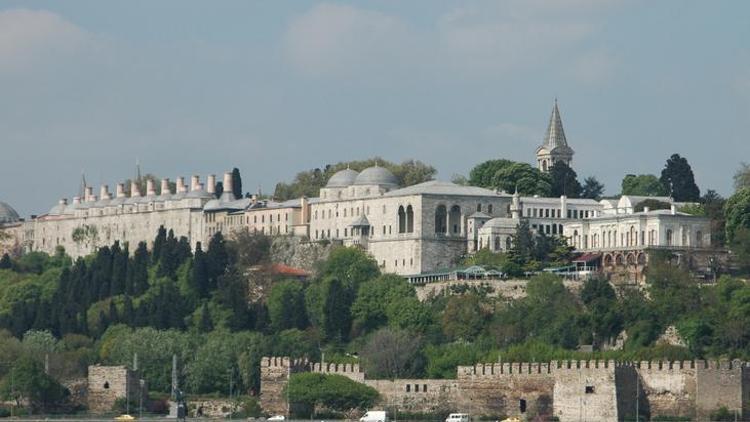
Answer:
(464, 317)
(236, 183)
(335, 392)
(643, 185)
(737, 213)
(28, 381)
(601, 303)
(652, 204)
(564, 181)
(408, 312)
(678, 179)
(370, 308)
(351, 266)
(249, 249)
(742, 177)
(713, 205)
(522, 248)
(592, 188)
(483, 174)
(393, 354)
(286, 306)
(523, 177)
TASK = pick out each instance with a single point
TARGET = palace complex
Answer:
(414, 230)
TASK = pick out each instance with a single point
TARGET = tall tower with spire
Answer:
(555, 147)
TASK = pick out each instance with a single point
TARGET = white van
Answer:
(458, 417)
(374, 416)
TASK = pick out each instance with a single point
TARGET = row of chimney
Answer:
(135, 192)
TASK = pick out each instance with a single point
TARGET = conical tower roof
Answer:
(555, 133)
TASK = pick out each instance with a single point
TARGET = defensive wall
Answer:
(106, 384)
(569, 390)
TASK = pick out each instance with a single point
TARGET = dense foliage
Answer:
(334, 392)
(643, 185)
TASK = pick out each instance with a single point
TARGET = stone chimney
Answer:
(89, 196)
(165, 187)
(195, 182)
(135, 191)
(646, 209)
(104, 192)
(227, 193)
(63, 201)
(211, 184)
(76, 200)
(150, 188)
(120, 190)
(673, 209)
(181, 188)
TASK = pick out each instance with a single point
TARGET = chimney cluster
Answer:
(135, 191)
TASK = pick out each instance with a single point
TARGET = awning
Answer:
(588, 257)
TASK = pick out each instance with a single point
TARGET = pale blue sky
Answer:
(276, 87)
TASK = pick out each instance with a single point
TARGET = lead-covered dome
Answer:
(342, 178)
(376, 176)
(7, 214)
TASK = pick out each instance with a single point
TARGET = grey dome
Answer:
(376, 176)
(7, 214)
(342, 178)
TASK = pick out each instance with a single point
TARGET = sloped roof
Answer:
(436, 187)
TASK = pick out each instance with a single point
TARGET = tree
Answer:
(592, 188)
(27, 380)
(564, 181)
(678, 179)
(352, 266)
(217, 259)
(510, 176)
(713, 204)
(249, 249)
(737, 213)
(336, 312)
(522, 248)
(370, 309)
(652, 205)
(138, 271)
(5, 262)
(335, 392)
(742, 177)
(463, 317)
(286, 306)
(643, 185)
(393, 354)
(200, 276)
(218, 189)
(236, 183)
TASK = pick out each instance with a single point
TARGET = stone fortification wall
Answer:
(299, 253)
(567, 390)
(719, 384)
(106, 384)
(585, 390)
(349, 370)
(510, 289)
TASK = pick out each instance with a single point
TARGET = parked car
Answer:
(374, 416)
(458, 417)
(277, 418)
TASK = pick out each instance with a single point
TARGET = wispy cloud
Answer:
(30, 38)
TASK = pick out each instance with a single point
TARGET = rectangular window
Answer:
(416, 388)
(589, 389)
(408, 388)
(424, 388)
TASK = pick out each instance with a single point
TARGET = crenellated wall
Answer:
(569, 390)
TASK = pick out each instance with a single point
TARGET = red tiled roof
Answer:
(287, 270)
(588, 257)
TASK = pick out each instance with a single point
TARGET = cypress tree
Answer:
(5, 262)
(101, 324)
(236, 183)
(205, 325)
(678, 179)
(138, 271)
(161, 238)
(128, 316)
(219, 189)
(119, 270)
(218, 259)
(200, 275)
(113, 318)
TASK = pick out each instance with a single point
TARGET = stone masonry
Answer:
(567, 390)
(107, 384)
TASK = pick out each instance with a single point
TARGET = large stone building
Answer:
(567, 390)
(408, 230)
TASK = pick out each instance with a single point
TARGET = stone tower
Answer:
(555, 147)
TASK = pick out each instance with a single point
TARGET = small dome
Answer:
(342, 178)
(376, 176)
(7, 214)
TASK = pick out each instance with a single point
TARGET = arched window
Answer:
(669, 237)
(409, 219)
(633, 236)
(489, 209)
(479, 207)
(699, 238)
(454, 219)
(401, 220)
(544, 165)
(497, 243)
(441, 219)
